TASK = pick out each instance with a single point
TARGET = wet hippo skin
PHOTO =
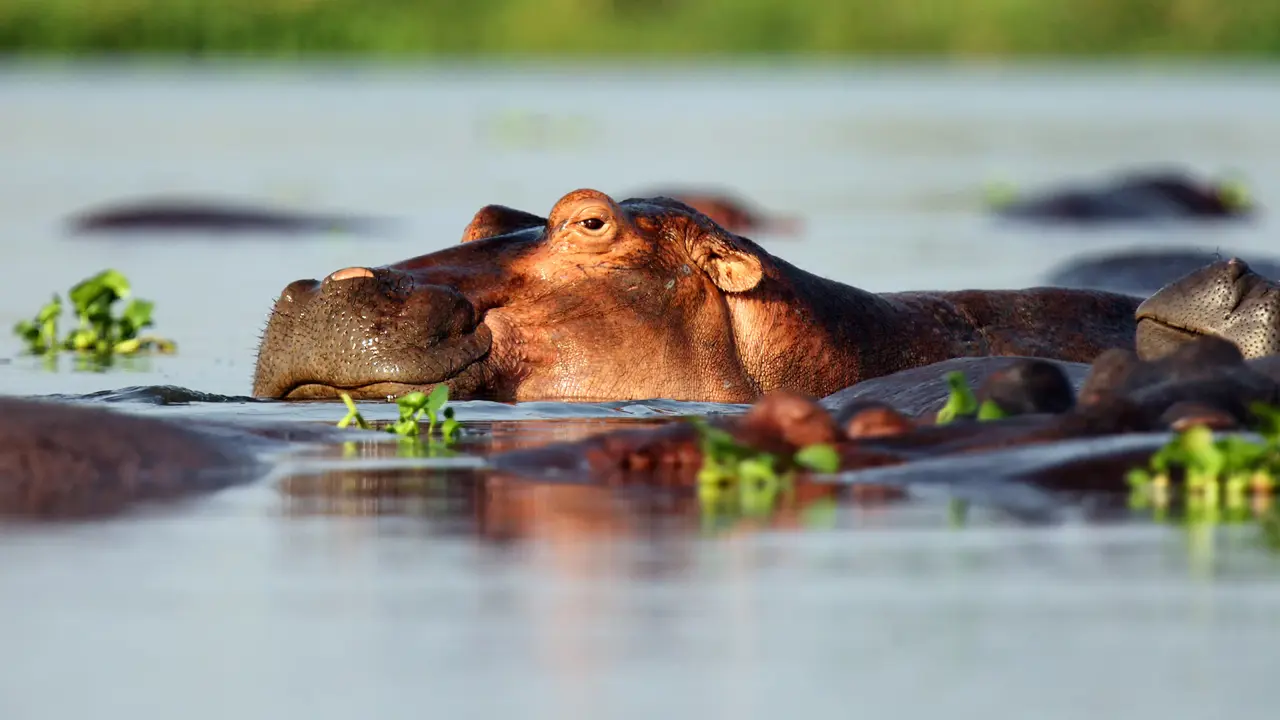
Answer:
(1206, 380)
(646, 298)
(70, 460)
(729, 211)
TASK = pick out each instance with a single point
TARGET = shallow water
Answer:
(280, 599)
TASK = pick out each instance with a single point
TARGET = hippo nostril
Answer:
(349, 273)
(298, 288)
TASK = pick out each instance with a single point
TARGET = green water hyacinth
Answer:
(99, 332)
(413, 406)
(734, 477)
(961, 402)
(1215, 470)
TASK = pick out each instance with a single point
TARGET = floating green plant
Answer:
(1223, 479)
(99, 333)
(413, 406)
(736, 480)
(961, 402)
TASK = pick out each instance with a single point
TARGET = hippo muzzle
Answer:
(369, 332)
(1225, 299)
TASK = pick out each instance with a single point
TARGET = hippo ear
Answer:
(495, 220)
(731, 266)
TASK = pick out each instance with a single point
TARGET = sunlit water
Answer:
(572, 601)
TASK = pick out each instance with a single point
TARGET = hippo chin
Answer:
(644, 298)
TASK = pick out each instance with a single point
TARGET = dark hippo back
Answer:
(164, 216)
(923, 390)
(73, 460)
(1144, 271)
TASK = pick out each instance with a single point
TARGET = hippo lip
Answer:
(463, 356)
(1168, 326)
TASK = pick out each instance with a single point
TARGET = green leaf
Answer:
(1138, 478)
(136, 316)
(448, 428)
(755, 468)
(415, 400)
(989, 410)
(127, 347)
(960, 401)
(353, 414)
(1203, 455)
(50, 312)
(406, 427)
(438, 397)
(91, 296)
(819, 457)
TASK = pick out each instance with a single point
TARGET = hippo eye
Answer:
(592, 223)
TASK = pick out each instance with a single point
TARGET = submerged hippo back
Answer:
(61, 459)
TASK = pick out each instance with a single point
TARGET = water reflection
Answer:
(379, 477)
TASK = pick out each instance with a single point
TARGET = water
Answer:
(571, 601)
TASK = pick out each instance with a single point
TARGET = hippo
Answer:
(1143, 271)
(643, 298)
(1139, 196)
(1224, 299)
(63, 460)
(179, 215)
(1205, 381)
(729, 211)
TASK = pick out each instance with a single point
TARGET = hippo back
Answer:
(923, 390)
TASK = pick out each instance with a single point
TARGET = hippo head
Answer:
(1224, 299)
(600, 300)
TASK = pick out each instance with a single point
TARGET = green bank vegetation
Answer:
(643, 27)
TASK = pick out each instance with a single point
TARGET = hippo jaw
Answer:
(459, 365)
(1156, 338)
(372, 335)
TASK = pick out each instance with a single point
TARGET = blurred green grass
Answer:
(959, 28)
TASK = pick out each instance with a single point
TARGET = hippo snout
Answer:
(369, 332)
(1226, 299)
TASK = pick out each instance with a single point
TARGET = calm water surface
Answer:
(501, 599)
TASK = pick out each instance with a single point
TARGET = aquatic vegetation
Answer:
(412, 407)
(738, 480)
(1215, 467)
(1224, 479)
(961, 402)
(100, 333)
